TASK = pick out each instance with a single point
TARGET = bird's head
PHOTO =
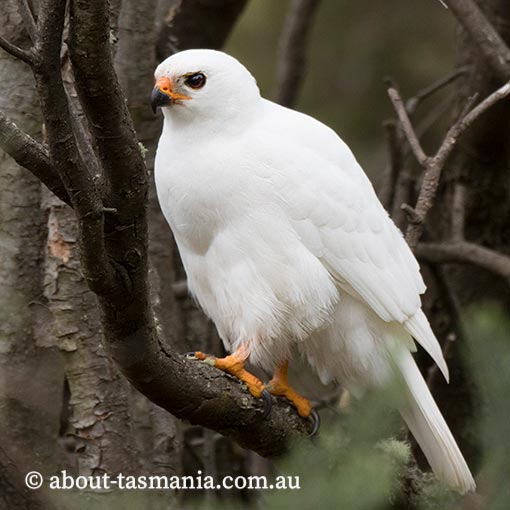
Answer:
(199, 84)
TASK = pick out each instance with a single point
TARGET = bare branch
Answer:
(413, 102)
(464, 252)
(64, 152)
(107, 112)
(204, 395)
(434, 166)
(79, 122)
(291, 65)
(411, 136)
(17, 52)
(487, 103)
(28, 19)
(488, 41)
(30, 154)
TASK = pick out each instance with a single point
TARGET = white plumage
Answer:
(286, 246)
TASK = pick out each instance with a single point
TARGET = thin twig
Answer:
(28, 19)
(30, 154)
(464, 252)
(480, 108)
(413, 102)
(433, 166)
(291, 64)
(414, 143)
(17, 52)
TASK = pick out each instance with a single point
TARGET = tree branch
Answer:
(105, 107)
(64, 153)
(414, 102)
(28, 19)
(464, 252)
(291, 65)
(488, 41)
(405, 122)
(17, 52)
(30, 154)
(434, 166)
(204, 395)
(190, 390)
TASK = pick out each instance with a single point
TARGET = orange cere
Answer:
(165, 85)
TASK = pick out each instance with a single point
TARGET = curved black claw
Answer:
(268, 403)
(315, 418)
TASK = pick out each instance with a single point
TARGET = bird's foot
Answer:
(279, 386)
(234, 365)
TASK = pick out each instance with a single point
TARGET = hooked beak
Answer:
(164, 95)
(159, 98)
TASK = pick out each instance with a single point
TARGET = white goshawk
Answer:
(287, 248)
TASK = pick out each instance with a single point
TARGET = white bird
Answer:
(287, 248)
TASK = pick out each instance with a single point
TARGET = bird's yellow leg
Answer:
(234, 365)
(279, 386)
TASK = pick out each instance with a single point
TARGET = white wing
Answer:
(333, 207)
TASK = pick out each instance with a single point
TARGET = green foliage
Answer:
(355, 466)
(489, 332)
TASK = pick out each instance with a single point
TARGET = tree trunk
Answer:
(31, 374)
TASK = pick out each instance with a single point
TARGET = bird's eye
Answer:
(196, 81)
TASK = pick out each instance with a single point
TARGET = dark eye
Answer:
(196, 81)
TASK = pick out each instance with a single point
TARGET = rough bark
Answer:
(98, 427)
(30, 370)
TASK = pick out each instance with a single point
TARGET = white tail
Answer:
(430, 429)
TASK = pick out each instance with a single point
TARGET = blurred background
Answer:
(353, 48)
